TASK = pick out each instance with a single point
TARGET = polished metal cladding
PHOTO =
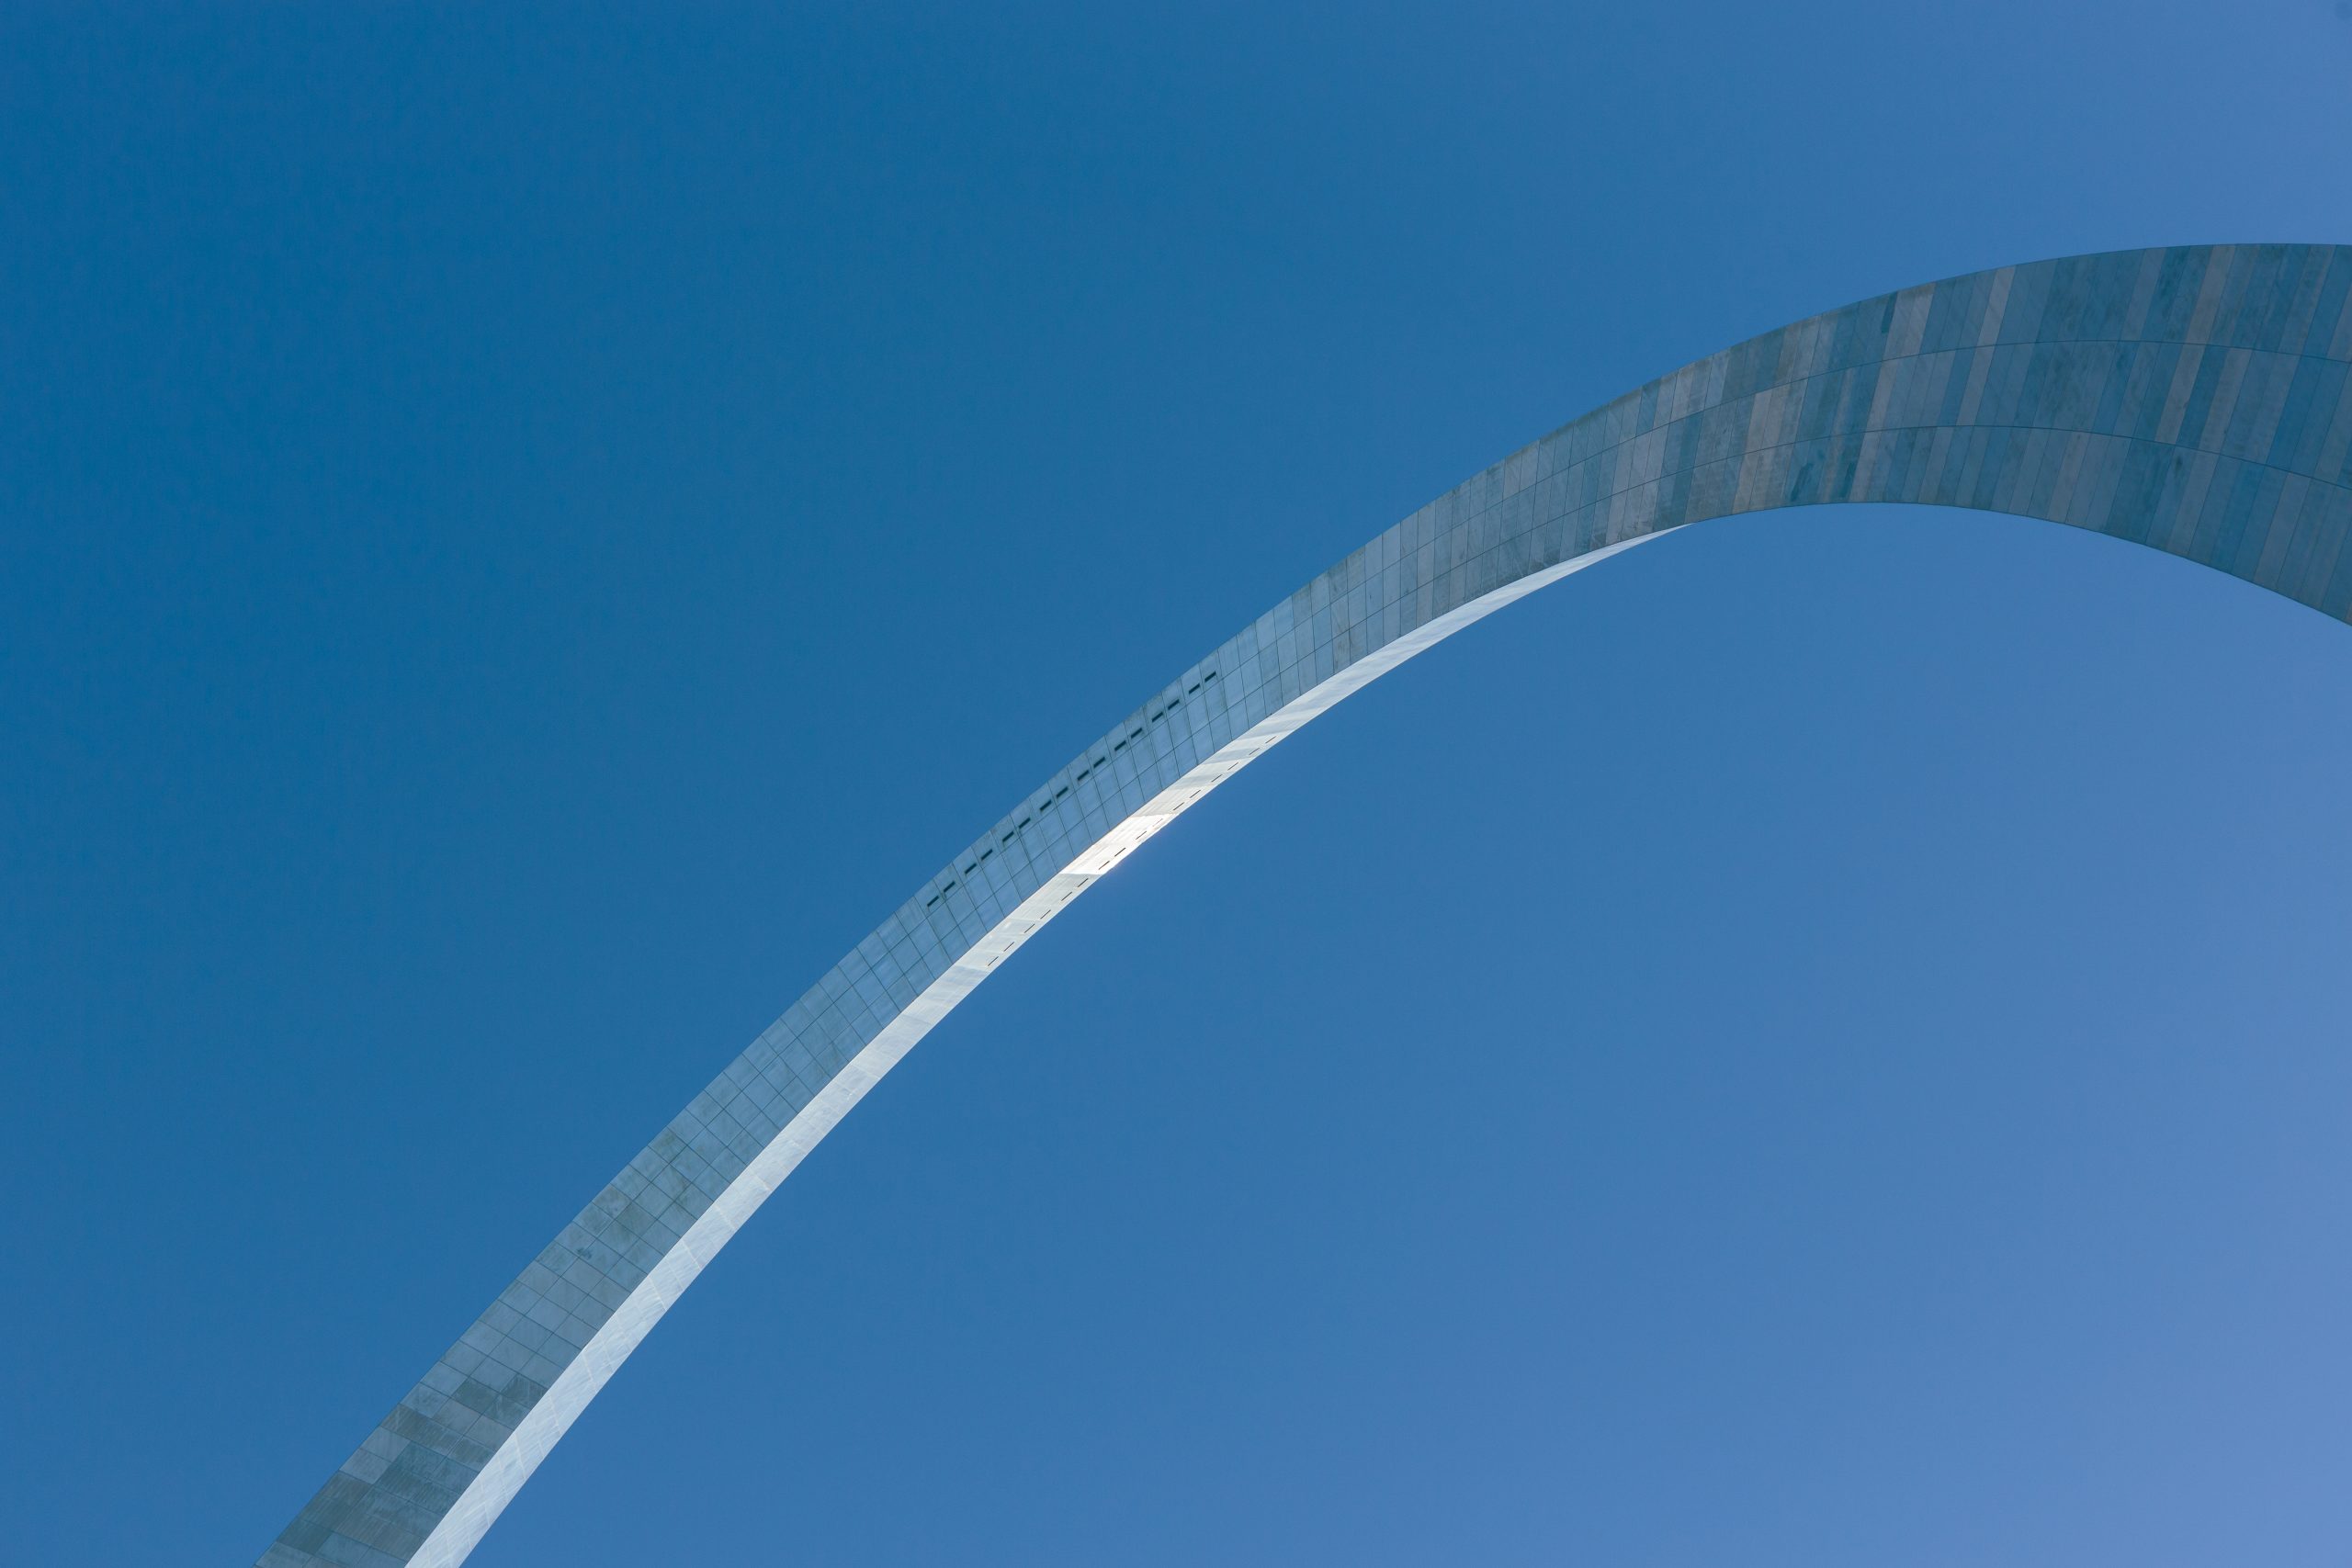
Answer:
(2189, 399)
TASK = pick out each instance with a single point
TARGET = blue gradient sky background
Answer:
(1821, 1042)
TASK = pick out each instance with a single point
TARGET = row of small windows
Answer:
(1055, 798)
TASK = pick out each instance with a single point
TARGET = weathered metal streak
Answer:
(2192, 400)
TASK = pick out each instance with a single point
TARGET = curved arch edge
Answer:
(2191, 399)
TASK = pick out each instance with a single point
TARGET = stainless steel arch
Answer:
(2189, 399)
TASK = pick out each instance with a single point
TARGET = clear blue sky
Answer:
(1819, 1043)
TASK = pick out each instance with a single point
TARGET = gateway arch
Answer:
(2189, 398)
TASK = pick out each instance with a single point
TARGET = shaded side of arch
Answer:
(2189, 398)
